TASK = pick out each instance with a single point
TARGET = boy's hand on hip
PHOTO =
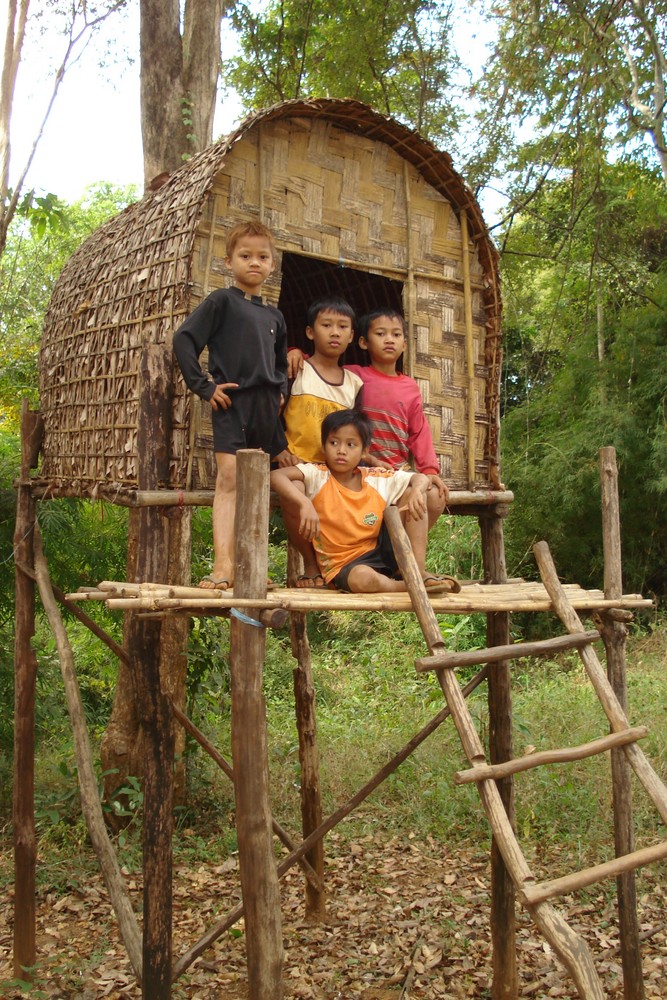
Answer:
(220, 400)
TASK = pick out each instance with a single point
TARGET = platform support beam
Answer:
(25, 675)
(259, 875)
(306, 722)
(503, 923)
(614, 636)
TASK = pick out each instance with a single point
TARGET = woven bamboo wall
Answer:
(337, 183)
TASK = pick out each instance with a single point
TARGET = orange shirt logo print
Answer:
(370, 519)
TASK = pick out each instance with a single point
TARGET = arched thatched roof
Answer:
(130, 284)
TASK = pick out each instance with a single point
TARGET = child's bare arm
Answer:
(288, 484)
(294, 362)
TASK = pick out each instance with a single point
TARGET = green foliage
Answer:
(551, 454)
(396, 56)
(578, 79)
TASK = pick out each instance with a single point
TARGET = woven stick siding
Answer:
(332, 186)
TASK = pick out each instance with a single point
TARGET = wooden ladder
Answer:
(532, 894)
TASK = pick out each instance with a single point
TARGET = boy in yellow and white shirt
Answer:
(321, 386)
(339, 507)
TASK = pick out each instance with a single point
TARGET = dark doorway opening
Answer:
(306, 279)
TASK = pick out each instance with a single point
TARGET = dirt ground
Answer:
(407, 920)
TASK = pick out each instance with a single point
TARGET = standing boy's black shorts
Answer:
(381, 559)
(250, 422)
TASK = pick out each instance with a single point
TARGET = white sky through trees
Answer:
(94, 131)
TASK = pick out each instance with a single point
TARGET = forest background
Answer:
(554, 113)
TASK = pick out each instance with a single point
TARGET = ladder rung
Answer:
(562, 756)
(541, 891)
(542, 647)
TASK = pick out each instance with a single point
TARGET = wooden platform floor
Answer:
(474, 597)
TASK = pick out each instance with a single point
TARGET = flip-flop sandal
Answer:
(441, 584)
(217, 582)
(313, 585)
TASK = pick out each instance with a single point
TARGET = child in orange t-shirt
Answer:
(339, 507)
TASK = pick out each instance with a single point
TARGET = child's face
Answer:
(251, 263)
(385, 339)
(331, 334)
(343, 449)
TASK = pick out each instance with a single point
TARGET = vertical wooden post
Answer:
(259, 876)
(306, 722)
(152, 706)
(503, 928)
(613, 635)
(25, 674)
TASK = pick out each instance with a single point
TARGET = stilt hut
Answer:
(360, 206)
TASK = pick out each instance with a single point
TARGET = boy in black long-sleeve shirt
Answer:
(246, 340)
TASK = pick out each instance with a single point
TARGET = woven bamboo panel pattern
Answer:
(337, 183)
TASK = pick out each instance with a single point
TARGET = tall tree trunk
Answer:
(179, 76)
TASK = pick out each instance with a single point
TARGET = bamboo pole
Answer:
(512, 651)
(410, 277)
(610, 703)
(589, 876)
(614, 635)
(568, 945)
(297, 600)
(131, 497)
(259, 879)
(561, 756)
(90, 799)
(470, 350)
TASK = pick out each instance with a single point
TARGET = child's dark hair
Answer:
(344, 418)
(243, 229)
(387, 311)
(331, 303)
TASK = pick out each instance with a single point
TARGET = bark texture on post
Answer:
(152, 706)
(503, 926)
(306, 722)
(25, 674)
(614, 635)
(259, 876)
(179, 77)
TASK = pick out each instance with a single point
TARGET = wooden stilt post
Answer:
(613, 635)
(152, 704)
(25, 674)
(259, 876)
(503, 927)
(306, 721)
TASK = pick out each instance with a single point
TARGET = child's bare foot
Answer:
(314, 582)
